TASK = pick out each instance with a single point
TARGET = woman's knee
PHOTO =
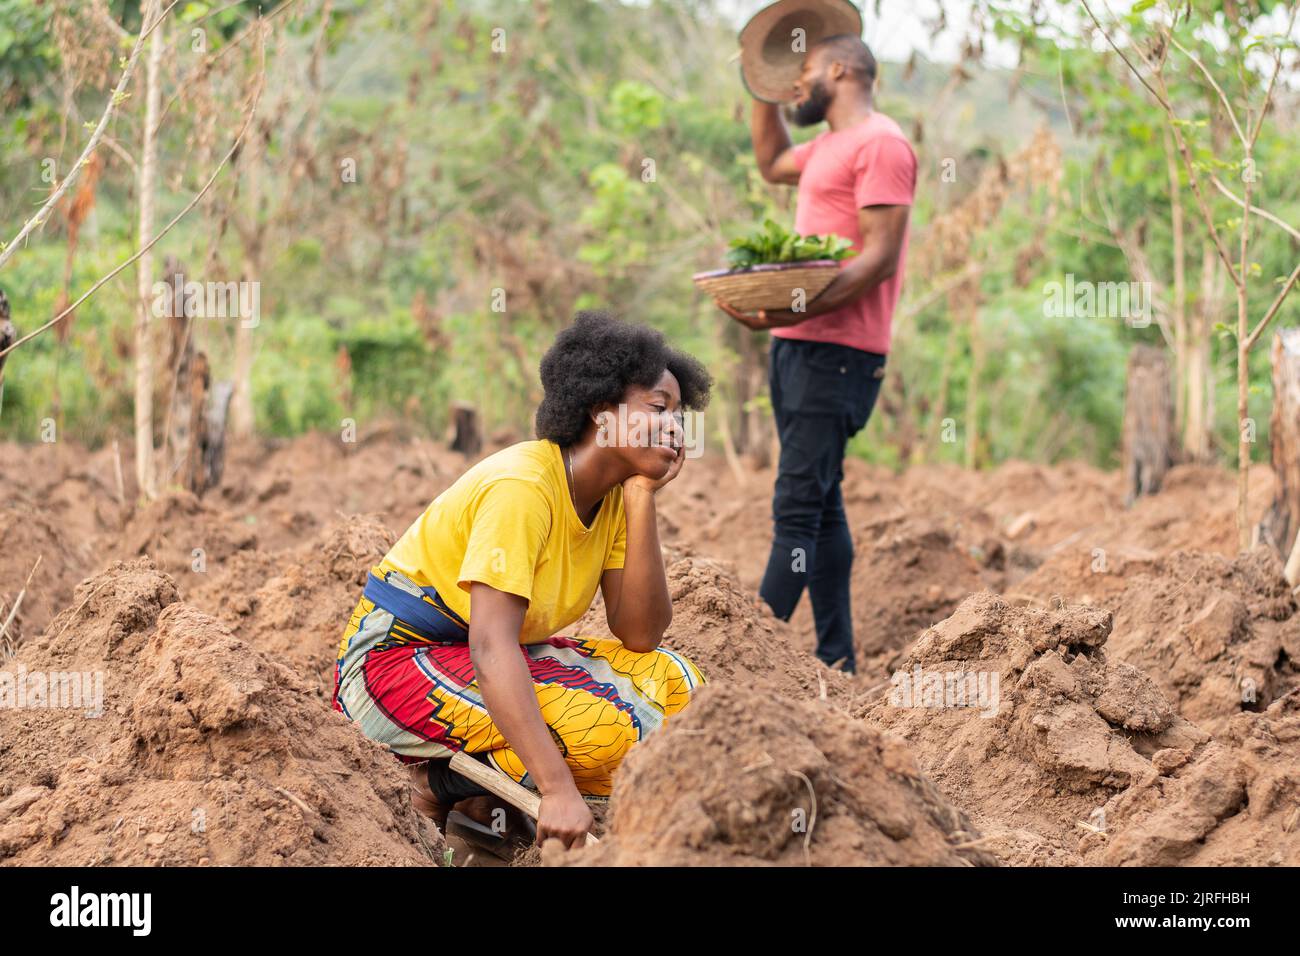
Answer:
(594, 749)
(676, 679)
(662, 679)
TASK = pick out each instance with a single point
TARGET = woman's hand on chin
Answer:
(646, 483)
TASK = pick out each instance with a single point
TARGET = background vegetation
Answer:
(515, 161)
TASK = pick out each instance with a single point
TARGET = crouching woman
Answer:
(452, 645)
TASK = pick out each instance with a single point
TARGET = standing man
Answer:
(857, 179)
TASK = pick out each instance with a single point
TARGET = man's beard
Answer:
(813, 109)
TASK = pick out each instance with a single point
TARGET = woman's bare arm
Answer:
(638, 608)
(496, 618)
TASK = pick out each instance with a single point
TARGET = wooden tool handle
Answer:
(502, 786)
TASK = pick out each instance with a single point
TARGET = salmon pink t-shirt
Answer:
(840, 172)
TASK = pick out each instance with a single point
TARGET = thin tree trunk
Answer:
(1196, 428)
(723, 336)
(739, 341)
(1181, 396)
(193, 470)
(148, 184)
(242, 419)
(1211, 313)
(1245, 436)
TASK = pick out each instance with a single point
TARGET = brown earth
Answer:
(931, 536)
(1217, 634)
(1237, 804)
(289, 605)
(732, 636)
(1054, 732)
(1083, 759)
(1122, 734)
(805, 785)
(204, 751)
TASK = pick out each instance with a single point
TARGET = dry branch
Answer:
(18, 601)
(234, 148)
(118, 94)
(1255, 210)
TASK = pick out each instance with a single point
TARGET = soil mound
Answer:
(294, 606)
(1042, 504)
(1216, 634)
(909, 575)
(26, 534)
(190, 747)
(801, 784)
(185, 535)
(732, 636)
(294, 488)
(1236, 804)
(214, 741)
(1020, 719)
(75, 488)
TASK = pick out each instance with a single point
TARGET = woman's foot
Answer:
(485, 810)
(422, 797)
(486, 821)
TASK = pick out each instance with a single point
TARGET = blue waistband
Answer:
(431, 619)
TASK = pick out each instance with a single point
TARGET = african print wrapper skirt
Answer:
(405, 676)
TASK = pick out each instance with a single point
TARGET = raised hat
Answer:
(769, 60)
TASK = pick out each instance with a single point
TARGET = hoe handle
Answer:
(502, 786)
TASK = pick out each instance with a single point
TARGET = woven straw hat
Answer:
(769, 62)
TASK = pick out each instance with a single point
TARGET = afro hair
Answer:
(594, 361)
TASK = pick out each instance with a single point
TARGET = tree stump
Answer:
(467, 436)
(1148, 422)
(193, 476)
(1282, 520)
(183, 387)
(214, 447)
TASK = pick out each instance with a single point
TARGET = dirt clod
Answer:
(735, 780)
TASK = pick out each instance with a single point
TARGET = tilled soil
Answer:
(203, 751)
(1144, 710)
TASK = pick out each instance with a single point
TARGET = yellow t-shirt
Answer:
(509, 523)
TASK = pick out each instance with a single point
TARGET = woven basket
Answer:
(768, 287)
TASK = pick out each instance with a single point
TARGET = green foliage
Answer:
(298, 385)
(634, 108)
(597, 160)
(27, 53)
(81, 385)
(620, 206)
(295, 386)
(775, 243)
(392, 367)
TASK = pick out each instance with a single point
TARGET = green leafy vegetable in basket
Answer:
(775, 243)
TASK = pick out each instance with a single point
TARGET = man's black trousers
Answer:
(822, 395)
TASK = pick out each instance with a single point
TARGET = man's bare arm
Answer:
(883, 229)
(772, 146)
